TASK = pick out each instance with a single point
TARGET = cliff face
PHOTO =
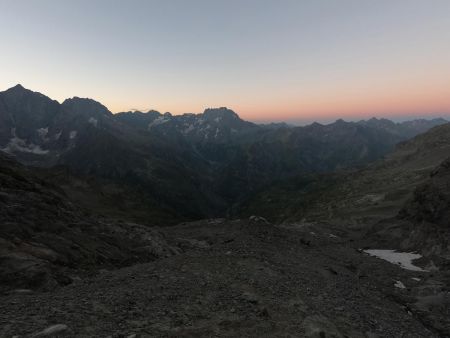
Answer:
(431, 201)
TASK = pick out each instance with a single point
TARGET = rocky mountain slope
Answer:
(431, 200)
(358, 197)
(84, 136)
(45, 240)
(422, 223)
(429, 212)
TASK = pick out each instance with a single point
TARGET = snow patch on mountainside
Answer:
(158, 121)
(403, 259)
(400, 285)
(188, 129)
(17, 144)
(93, 121)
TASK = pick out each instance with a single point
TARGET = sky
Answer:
(268, 60)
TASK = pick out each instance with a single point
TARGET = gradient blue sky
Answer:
(289, 60)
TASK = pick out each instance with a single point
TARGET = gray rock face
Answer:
(431, 200)
(428, 214)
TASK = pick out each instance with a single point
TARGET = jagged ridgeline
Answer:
(166, 168)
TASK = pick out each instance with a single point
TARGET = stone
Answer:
(317, 326)
(52, 331)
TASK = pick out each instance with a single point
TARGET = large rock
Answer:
(317, 326)
(25, 271)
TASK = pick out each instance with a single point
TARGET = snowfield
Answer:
(404, 259)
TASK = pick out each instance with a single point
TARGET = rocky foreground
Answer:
(241, 278)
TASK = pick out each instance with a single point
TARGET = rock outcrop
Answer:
(429, 213)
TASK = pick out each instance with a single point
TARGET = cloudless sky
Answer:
(269, 60)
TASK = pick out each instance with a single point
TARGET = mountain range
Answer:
(180, 167)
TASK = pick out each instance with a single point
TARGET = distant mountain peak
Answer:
(18, 94)
(316, 124)
(85, 100)
(85, 105)
(222, 112)
(18, 88)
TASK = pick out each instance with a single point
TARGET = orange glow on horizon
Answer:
(340, 104)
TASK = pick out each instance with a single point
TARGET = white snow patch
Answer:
(16, 144)
(217, 133)
(188, 129)
(332, 236)
(73, 134)
(218, 119)
(416, 279)
(404, 259)
(399, 285)
(200, 121)
(93, 121)
(58, 135)
(158, 120)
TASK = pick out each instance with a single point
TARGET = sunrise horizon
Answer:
(290, 118)
(268, 61)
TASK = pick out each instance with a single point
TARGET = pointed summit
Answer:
(18, 86)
